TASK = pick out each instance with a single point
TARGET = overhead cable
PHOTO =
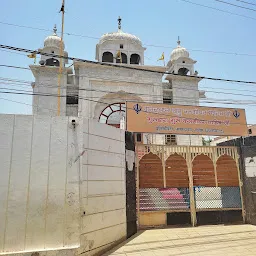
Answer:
(239, 6)
(121, 66)
(148, 45)
(97, 101)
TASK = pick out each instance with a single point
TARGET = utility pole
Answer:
(61, 55)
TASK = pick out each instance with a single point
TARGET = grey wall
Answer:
(247, 151)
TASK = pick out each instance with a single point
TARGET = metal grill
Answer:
(162, 199)
(217, 197)
(212, 177)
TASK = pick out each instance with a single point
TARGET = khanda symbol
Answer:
(236, 114)
(137, 108)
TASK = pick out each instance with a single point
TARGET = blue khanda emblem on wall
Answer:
(137, 108)
(236, 114)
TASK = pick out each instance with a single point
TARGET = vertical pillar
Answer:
(122, 123)
(214, 156)
(191, 189)
(137, 183)
(163, 165)
(240, 183)
(131, 212)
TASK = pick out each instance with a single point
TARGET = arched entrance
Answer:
(176, 172)
(227, 173)
(203, 171)
(176, 193)
(228, 181)
(151, 172)
(150, 180)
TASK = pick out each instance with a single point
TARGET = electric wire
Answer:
(185, 88)
(239, 6)
(245, 2)
(102, 102)
(206, 100)
(148, 45)
(122, 66)
(220, 10)
(9, 66)
(158, 100)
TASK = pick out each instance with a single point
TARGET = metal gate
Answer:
(177, 184)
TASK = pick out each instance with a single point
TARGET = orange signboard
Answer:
(179, 119)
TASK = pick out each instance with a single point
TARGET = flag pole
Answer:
(61, 54)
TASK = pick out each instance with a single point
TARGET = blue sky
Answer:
(156, 23)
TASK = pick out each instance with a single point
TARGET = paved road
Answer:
(235, 240)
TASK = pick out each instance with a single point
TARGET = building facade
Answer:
(98, 90)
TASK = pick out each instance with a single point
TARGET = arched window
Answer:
(183, 71)
(123, 58)
(135, 59)
(52, 62)
(113, 114)
(107, 57)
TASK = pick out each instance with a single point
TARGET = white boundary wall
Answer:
(42, 207)
(103, 188)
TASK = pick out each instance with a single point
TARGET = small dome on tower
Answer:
(54, 40)
(179, 52)
(120, 47)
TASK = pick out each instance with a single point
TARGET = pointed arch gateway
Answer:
(151, 172)
(203, 171)
(227, 173)
(176, 172)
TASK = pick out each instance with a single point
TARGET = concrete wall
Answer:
(39, 190)
(103, 203)
(221, 139)
(42, 207)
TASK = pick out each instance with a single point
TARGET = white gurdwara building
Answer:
(97, 91)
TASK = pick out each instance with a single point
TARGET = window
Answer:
(52, 62)
(52, 51)
(135, 59)
(170, 139)
(138, 137)
(167, 101)
(113, 114)
(107, 57)
(72, 100)
(183, 71)
(121, 46)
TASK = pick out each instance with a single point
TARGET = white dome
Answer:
(54, 40)
(179, 52)
(120, 36)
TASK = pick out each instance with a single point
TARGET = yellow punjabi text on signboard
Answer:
(179, 119)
